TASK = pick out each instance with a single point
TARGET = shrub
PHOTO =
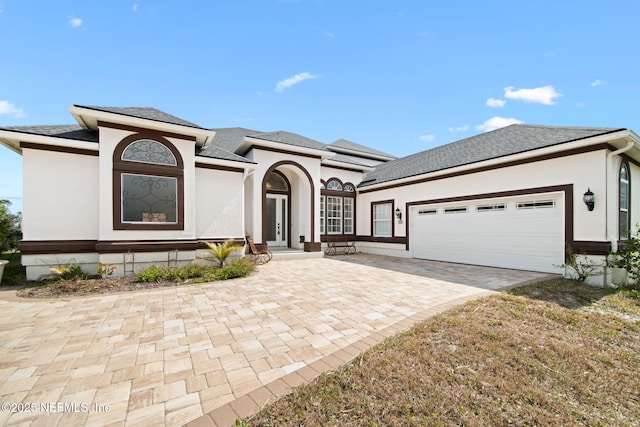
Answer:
(628, 258)
(222, 250)
(238, 268)
(68, 272)
(10, 233)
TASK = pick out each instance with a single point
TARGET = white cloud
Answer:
(294, 80)
(497, 123)
(427, 138)
(328, 34)
(75, 22)
(135, 7)
(8, 108)
(496, 103)
(459, 128)
(598, 82)
(540, 95)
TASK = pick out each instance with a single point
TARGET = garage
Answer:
(525, 232)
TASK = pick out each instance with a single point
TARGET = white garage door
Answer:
(524, 233)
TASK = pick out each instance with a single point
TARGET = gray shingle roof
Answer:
(502, 142)
(58, 131)
(230, 138)
(215, 152)
(143, 113)
(291, 139)
(352, 146)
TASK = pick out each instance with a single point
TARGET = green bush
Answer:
(238, 268)
(628, 258)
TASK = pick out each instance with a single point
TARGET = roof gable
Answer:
(502, 142)
(143, 113)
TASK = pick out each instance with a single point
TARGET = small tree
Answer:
(10, 233)
(223, 250)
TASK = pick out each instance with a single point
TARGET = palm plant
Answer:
(222, 250)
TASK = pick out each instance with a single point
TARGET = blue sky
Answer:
(400, 76)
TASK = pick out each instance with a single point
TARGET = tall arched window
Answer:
(624, 203)
(148, 185)
(337, 207)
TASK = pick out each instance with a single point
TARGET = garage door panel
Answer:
(531, 238)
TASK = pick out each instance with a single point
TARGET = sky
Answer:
(400, 76)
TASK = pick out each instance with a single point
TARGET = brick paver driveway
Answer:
(208, 353)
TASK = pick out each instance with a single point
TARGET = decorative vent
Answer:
(537, 204)
(427, 211)
(459, 209)
(491, 208)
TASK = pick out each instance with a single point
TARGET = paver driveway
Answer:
(206, 354)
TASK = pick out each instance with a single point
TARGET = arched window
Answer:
(276, 182)
(337, 207)
(148, 185)
(624, 202)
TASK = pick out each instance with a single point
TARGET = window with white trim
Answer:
(383, 219)
(334, 215)
(337, 207)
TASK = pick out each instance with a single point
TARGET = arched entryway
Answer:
(277, 210)
(288, 207)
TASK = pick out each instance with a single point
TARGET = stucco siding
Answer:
(60, 196)
(582, 171)
(219, 204)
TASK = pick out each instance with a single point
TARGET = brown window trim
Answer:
(121, 167)
(393, 217)
(625, 164)
(343, 194)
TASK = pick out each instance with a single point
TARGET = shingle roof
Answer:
(502, 142)
(216, 152)
(58, 131)
(291, 139)
(231, 138)
(352, 146)
(143, 113)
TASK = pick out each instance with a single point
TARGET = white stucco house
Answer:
(137, 182)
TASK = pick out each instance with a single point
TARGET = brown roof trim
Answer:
(59, 149)
(218, 167)
(575, 151)
(137, 129)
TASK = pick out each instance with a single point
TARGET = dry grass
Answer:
(557, 353)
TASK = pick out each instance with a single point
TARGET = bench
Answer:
(259, 251)
(340, 242)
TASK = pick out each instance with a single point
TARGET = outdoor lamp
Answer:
(398, 214)
(589, 199)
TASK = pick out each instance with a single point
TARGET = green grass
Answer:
(14, 273)
(555, 353)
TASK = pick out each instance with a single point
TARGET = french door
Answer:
(277, 220)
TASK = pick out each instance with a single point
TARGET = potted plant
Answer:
(3, 262)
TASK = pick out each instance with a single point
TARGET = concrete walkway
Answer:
(208, 354)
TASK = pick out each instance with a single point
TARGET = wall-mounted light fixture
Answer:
(589, 199)
(398, 214)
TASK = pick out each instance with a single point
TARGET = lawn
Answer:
(555, 353)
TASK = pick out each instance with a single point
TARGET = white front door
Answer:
(277, 220)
